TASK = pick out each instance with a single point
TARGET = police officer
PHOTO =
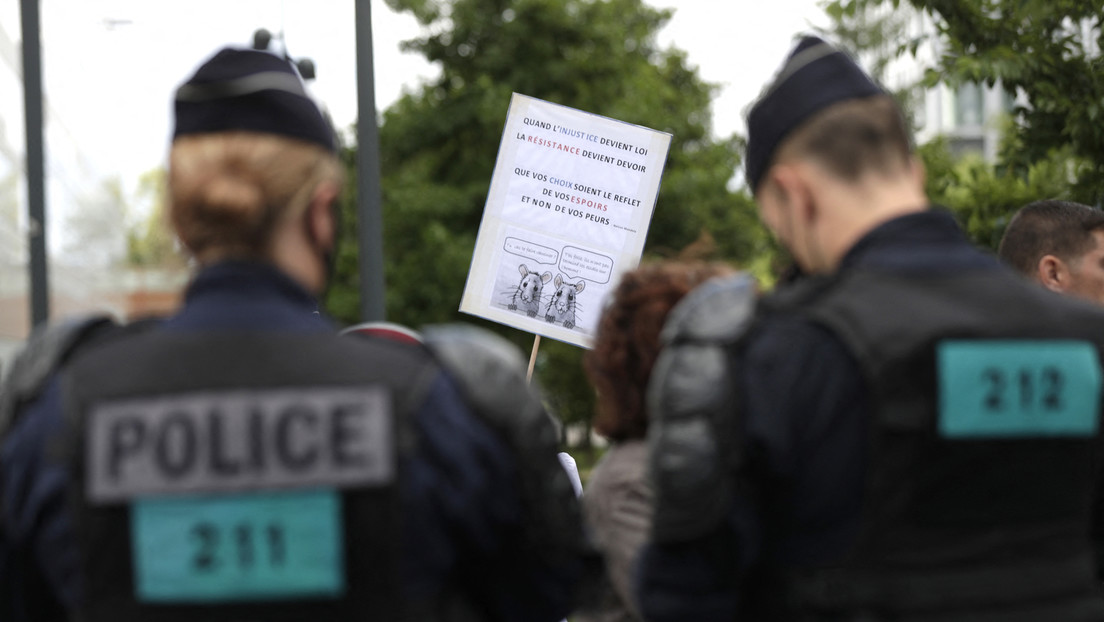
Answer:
(240, 460)
(905, 433)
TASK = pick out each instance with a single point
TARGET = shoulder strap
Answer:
(691, 401)
(490, 373)
(46, 350)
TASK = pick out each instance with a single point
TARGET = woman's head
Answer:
(230, 191)
(627, 342)
(253, 171)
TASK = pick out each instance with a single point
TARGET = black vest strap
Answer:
(489, 371)
(46, 351)
(694, 442)
(160, 365)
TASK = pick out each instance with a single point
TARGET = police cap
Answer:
(814, 76)
(250, 90)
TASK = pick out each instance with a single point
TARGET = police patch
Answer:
(224, 441)
(1014, 388)
(261, 546)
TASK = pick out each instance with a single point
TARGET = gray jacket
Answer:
(618, 507)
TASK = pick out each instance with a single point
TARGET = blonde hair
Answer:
(229, 190)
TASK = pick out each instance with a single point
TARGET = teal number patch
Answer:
(1011, 389)
(259, 546)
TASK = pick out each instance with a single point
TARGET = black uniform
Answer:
(240, 460)
(915, 438)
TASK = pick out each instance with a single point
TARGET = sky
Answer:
(110, 66)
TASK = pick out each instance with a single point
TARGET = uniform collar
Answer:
(931, 227)
(250, 280)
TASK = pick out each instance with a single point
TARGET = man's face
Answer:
(1087, 272)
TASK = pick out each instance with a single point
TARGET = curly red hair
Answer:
(627, 342)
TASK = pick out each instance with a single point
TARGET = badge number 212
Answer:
(238, 547)
(1013, 388)
(1025, 388)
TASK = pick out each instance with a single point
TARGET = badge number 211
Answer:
(239, 546)
(244, 542)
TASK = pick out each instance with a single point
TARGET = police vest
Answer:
(236, 477)
(985, 396)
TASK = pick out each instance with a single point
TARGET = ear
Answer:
(1053, 273)
(523, 270)
(321, 219)
(546, 277)
(579, 286)
(793, 186)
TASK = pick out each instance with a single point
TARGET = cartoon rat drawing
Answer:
(527, 296)
(561, 308)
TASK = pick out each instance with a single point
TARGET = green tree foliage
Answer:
(982, 196)
(1048, 51)
(439, 144)
(879, 37)
(150, 242)
(342, 298)
(91, 225)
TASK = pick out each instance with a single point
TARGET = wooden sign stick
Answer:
(533, 358)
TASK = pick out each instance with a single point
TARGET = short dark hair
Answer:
(852, 138)
(1049, 227)
(627, 340)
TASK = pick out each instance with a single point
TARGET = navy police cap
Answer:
(815, 76)
(250, 90)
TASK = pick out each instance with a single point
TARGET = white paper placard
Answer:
(570, 201)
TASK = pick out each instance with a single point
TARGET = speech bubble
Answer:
(580, 263)
(536, 252)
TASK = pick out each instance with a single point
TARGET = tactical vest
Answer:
(984, 394)
(232, 477)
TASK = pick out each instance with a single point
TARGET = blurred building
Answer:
(86, 229)
(124, 293)
(970, 116)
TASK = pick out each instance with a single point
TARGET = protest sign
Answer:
(568, 209)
